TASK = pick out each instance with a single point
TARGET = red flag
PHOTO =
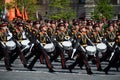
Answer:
(10, 14)
(24, 14)
(17, 12)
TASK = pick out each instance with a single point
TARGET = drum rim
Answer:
(103, 46)
(92, 50)
(10, 42)
(12, 45)
(25, 41)
(68, 45)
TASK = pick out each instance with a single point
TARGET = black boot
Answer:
(29, 68)
(70, 69)
(25, 65)
(99, 68)
(89, 71)
(106, 71)
(51, 70)
(9, 69)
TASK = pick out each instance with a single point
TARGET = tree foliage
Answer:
(31, 7)
(103, 9)
(60, 9)
(1, 6)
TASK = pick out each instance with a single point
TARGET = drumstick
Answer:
(25, 48)
(111, 56)
(31, 47)
(74, 50)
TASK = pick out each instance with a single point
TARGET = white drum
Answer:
(91, 50)
(25, 42)
(11, 45)
(67, 45)
(101, 47)
(49, 47)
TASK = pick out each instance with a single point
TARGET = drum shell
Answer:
(11, 45)
(49, 47)
(67, 45)
(101, 47)
(25, 43)
(91, 50)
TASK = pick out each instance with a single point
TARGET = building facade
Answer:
(83, 7)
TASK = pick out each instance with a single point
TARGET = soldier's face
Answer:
(48, 24)
(21, 28)
(83, 30)
(31, 23)
(66, 24)
(90, 27)
(53, 25)
(101, 24)
(62, 28)
(111, 28)
(37, 26)
(4, 28)
(44, 28)
(77, 27)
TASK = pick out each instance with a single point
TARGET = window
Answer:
(118, 1)
(81, 1)
(114, 2)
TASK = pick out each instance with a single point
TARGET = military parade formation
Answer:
(80, 40)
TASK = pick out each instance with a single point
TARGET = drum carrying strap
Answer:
(111, 43)
(3, 44)
(25, 48)
(83, 48)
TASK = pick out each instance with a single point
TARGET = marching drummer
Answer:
(81, 56)
(3, 48)
(95, 38)
(38, 51)
(17, 38)
(110, 36)
(114, 59)
(59, 36)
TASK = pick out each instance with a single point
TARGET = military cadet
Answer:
(31, 30)
(110, 35)
(80, 51)
(3, 48)
(95, 38)
(58, 37)
(17, 38)
(38, 50)
(115, 58)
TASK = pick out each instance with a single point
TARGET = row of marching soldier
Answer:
(82, 41)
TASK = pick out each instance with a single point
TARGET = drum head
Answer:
(101, 46)
(11, 45)
(67, 43)
(91, 48)
(25, 42)
(49, 47)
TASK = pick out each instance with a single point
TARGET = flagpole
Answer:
(3, 10)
